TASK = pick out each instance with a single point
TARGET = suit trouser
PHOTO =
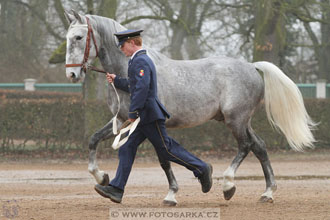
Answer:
(167, 148)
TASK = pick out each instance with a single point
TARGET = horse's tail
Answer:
(285, 107)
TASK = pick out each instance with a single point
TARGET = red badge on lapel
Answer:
(141, 72)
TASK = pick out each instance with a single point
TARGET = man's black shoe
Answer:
(206, 179)
(113, 193)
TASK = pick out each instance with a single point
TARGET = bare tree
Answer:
(182, 29)
(185, 19)
(23, 39)
(307, 12)
(269, 31)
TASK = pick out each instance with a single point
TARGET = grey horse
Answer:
(194, 92)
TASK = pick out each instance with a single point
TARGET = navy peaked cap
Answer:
(127, 34)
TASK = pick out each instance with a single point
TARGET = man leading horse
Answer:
(144, 103)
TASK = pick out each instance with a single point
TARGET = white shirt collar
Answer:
(136, 53)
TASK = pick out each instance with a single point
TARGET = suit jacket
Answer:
(142, 86)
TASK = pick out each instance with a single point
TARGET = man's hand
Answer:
(132, 119)
(111, 77)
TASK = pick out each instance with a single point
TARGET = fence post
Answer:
(29, 84)
(321, 89)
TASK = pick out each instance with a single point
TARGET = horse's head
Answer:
(81, 46)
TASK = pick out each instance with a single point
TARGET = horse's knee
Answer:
(93, 141)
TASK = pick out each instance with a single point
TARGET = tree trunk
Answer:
(270, 33)
(192, 45)
(60, 12)
(179, 32)
(324, 64)
(3, 25)
(193, 48)
(90, 7)
(108, 8)
(177, 41)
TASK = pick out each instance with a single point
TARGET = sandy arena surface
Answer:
(62, 190)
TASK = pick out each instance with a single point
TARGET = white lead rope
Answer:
(126, 127)
(117, 143)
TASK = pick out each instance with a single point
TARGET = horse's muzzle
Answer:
(73, 77)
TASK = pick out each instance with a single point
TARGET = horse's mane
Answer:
(106, 28)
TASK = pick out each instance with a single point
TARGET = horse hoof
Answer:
(169, 203)
(229, 193)
(106, 180)
(265, 199)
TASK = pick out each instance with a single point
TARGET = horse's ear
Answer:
(69, 17)
(78, 16)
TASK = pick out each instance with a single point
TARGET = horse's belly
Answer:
(189, 114)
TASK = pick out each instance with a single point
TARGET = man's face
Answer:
(127, 48)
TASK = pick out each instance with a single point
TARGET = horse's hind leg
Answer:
(105, 133)
(259, 149)
(248, 140)
(240, 132)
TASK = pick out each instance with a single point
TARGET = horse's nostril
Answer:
(73, 75)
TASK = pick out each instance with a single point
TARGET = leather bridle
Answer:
(90, 34)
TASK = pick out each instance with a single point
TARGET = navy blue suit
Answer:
(142, 86)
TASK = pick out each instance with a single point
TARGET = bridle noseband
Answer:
(87, 48)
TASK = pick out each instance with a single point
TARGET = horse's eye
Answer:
(78, 38)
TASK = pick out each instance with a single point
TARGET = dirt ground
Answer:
(65, 190)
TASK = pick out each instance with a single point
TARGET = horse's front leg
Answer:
(101, 177)
(173, 185)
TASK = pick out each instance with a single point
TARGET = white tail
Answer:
(285, 107)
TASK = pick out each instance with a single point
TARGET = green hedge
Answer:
(53, 121)
(56, 121)
(6, 95)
